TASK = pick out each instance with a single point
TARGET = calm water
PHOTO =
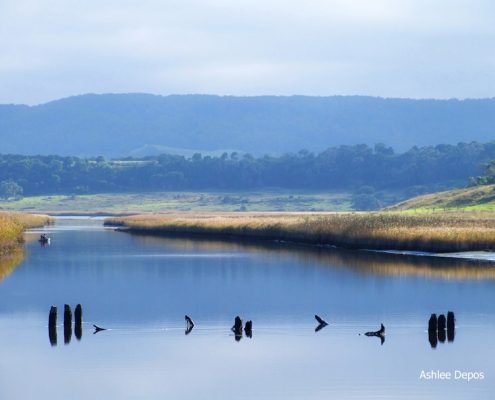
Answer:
(141, 287)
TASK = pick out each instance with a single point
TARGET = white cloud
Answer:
(408, 48)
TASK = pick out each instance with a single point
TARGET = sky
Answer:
(51, 49)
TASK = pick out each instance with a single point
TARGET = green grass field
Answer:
(115, 203)
(477, 198)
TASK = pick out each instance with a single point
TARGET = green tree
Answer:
(10, 189)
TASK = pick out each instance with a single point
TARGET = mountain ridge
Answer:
(118, 124)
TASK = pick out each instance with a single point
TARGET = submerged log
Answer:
(67, 324)
(78, 322)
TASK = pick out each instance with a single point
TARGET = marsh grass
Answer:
(12, 227)
(437, 232)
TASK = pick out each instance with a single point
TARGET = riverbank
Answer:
(12, 227)
(433, 232)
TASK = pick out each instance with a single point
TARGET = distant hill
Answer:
(480, 198)
(123, 124)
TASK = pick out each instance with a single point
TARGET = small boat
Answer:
(44, 239)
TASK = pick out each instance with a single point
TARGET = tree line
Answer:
(419, 169)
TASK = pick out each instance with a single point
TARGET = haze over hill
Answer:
(123, 124)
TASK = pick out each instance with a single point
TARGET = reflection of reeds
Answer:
(440, 232)
(12, 226)
(363, 262)
(9, 262)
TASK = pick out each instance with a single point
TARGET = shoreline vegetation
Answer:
(430, 232)
(12, 227)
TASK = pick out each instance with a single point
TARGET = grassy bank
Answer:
(437, 232)
(477, 198)
(12, 227)
(201, 201)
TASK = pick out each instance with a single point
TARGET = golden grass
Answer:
(13, 225)
(438, 232)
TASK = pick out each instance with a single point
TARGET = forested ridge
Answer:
(338, 168)
(120, 125)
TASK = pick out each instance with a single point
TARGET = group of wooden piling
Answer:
(52, 324)
(237, 328)
(437, 327)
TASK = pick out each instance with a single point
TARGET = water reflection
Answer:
(143, 289)
(364, 262)
(9, 263)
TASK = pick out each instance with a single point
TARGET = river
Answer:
(139, 288)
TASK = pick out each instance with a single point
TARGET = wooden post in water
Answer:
(450, 326)
(432, 331)
(67, 324)
(441, 328)
(433, 323)
(249, 329)
(237, 328)
(78, 322)
(52, 326)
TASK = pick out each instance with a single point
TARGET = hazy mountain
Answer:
(123, 124)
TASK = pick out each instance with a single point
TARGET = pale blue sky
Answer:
(390, 48)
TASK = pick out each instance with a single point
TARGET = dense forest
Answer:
(354, 168)
(487, 179)
(121, 125)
